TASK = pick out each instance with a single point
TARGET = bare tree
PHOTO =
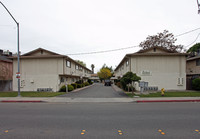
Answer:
(164, 39)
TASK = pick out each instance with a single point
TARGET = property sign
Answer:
(146, 73)
(18, 75)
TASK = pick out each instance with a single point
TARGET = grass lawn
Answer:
(31, 94)
(169, 94)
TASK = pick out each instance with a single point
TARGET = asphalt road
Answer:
(99, 121)
(98, 90)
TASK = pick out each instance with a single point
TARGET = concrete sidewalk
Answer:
(98, 100)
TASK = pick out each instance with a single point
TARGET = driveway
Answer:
(98, 90)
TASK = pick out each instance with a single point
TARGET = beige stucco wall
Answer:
(163, 71)
(124, 68)
(38, 73)
(46, 73)
(75, 72)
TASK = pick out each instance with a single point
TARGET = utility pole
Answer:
(198, 4)
(18, 54)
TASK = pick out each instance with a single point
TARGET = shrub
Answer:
(74, 85)
(63, 89)
(83, 85)
(79, 85)
(196, 84)
(118, 84)
(79, 82)
(86, 83)
(70, 88)
(89, 81)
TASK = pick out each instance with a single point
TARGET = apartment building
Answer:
(158, 66)
(43, 70)
(193, 68)
(6, 67)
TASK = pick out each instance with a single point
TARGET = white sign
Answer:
(146, 73)
(18, 75)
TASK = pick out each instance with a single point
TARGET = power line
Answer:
(187, 32)
(105, 51)
(193, 41)
(112, 50)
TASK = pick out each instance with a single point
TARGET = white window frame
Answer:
(68, 64)
(76, 67)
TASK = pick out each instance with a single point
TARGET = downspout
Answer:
(130, 62)
(63, 66)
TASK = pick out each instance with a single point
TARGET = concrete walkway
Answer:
(100, 100)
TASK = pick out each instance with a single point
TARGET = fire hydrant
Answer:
(162, 91)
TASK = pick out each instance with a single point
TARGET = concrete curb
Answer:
(117, 89)
(148, 101)
(21, 101)
(79, 89)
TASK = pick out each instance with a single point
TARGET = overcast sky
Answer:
(79, 26)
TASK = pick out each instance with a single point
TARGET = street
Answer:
(99, 120)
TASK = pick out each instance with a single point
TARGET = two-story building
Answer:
(6, 67)
(193, 69)
(41, 69)
(158, 66)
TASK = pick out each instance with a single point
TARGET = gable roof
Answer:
(156, 47)
(193, 58)
(39, 50)
(49, 54)
(165, 52)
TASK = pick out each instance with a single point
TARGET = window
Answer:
(180, 81)
(127, 63)
(76, 67)
(62, 80)
(81, 68)
(154, 49)
(198, 62)
(68, 64)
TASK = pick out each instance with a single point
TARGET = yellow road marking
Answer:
(162, 133)
(83, 130)
(120, 133)
(6, 131)
(197, 130)
(159, 130)
(82, 133)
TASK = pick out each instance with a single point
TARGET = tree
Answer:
(110, 68)
(128, 78)
(164, 39)
(104, 73)
(92, 66)
(81, 62)
(194, 48)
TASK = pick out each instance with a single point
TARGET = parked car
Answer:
(107, 82)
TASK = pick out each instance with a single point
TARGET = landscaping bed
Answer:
(167, 94)
(31, 94)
